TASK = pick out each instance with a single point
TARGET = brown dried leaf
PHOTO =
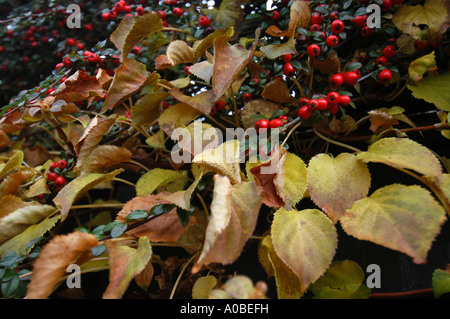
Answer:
(278, 92)
(36, 156)
(104, 156)
(300, 16)
(78, 87)
(202, 102)
(330, 65)
(255, 107)
(379, 118)
(53, 260)
(179, 52)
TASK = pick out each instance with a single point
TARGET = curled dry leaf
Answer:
(300, 15)
(78, 87)
(379, 119)
(53, 260)
(179, 52)
(278, 92)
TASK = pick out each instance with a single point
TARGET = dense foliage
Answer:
(114, 158)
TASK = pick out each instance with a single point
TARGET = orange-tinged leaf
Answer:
(177, 115)
(133, 29)
(77, 187)
(399, 217)
(104, 156)
(129, 79)
(53, 260)
(300, 15)
(11, 183)
(78, 87)
(147, 109)
(305, 241)
(278, 92)
(379, 118)
(163, 228)
(14, 162)
(334, 184)
(179, 52)
(201, 46)
(124, 264)
(202, 102)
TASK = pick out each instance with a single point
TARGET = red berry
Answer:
(304, 112)
(177, 11)
(334, 15)
(53, 166)
(385, 76)
(316, 18)
(337, 80)
(333, 98)
(344, 100)
(186, 69)
(389, 51)
(315, 27)
(312, 104)
(288, 69)
(275, 16)
(420, 45)
(322, 104)
(162, 14)
(262, 124)
(332, 40)
(140, 10)
(220, 105)
(203, 21)
(313, 50)
(337, 26)
(70, 42)
(387, 4)
(247, 97)
(351, 78)
(360, 21)
(303, 101)
(333, 108)
(60, 181)
(136, 50)
(67, 63)
(59, 65)
(284, 119)
(93, 58)
(52, 176)
(381, 60)
(62, 164)
(367, 32)
(286, 58)
(275, 123)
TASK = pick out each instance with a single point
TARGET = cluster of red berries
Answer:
(56, 173)
(122, 7)
(331, 102)
(264, 124)
(218, 106)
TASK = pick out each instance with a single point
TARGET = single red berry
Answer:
(304, 112)
(367, 32)
(314, 27)
(284, 118)
(275, 16)
(389, 51)
(313, 50)
(337, 26)
(70, 42)
(52, 176)
(247, 97)
(333, 98)
(93, 58)
(334, 15)
(387, 4)
(333, 108)
(360, 21)
(344, 100)
(105, 16)
(312, 104)
(286, 58)
(62, 164)
(220, 105)
(322, 104)
(177, 11)
(59, 65)
(303, 101)
(136, 50)
(162, 14)
(351, 78)
(332, 40)
(275, 123)
(337, 80)
(140, 11)
(53, 166)
(186, 69)
(203, 21)
(317, 18)
(385, 76)
(60, 181)
(67, 62)
(262, 124)
(358, 72)
(381, 60)
(288, 69)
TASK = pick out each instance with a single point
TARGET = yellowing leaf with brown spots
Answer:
(399, 217)
(334, 184)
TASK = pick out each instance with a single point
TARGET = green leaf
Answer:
(353, 66)
(441, 282)
(273, 51)
(433, 89)
(228, 14)
(9, 287)
(305, 241)
(399, 217)
(77, 187)
(161, 209)
(334, 184)
(343, 280)
(136, 215)
(118, 230)
(403, 153)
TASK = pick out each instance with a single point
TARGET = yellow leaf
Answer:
(14, 162)
(179, 52)
(420, 66)
(399, 217)
(155, 178)
(104, 156)
(203, 286)
(176, 116)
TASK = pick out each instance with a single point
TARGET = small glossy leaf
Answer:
(441, 282)
(136, 215)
